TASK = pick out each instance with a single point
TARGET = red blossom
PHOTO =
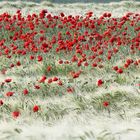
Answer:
(70, 89)
(25, 91)
(60, 62)
(42, 80)
(35, 108)
(18, 63)
(9, 93)
(37, 87)
(12, 65)
(120, 71)
(1, 102)
(60, 83)
(15, 114)
(49, 68)
(39, 58)
(115, 68)
(50, 80)
(8, 80)
(105, 103)
(55, 79)
(99, 82)
(32, 57)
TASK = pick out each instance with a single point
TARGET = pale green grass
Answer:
(80, 116)
(117, 9)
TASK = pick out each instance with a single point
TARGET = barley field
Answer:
(69, 71)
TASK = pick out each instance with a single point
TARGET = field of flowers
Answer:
(74, 73)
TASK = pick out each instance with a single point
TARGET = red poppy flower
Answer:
(44, 11)
(37, 87)
(60, 62)
(109, 14)
(86, 64)
(120, 71)
(9, 93)
(94, 64)
(39, 58)
(70, 89)
(32, 57)
(8, 80)
(105, 103)
(136, 63)
(25, 91)
(15, 114)
(1, 102)
(75, 75)
(50, 80)
(115, 68)
(100, 82)
(62, 14)
(12, 65)
(36, 108)
(18, 63)
(126, 65)
(49, 68)
(42, 80)
(60, 83)
(55, 79)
